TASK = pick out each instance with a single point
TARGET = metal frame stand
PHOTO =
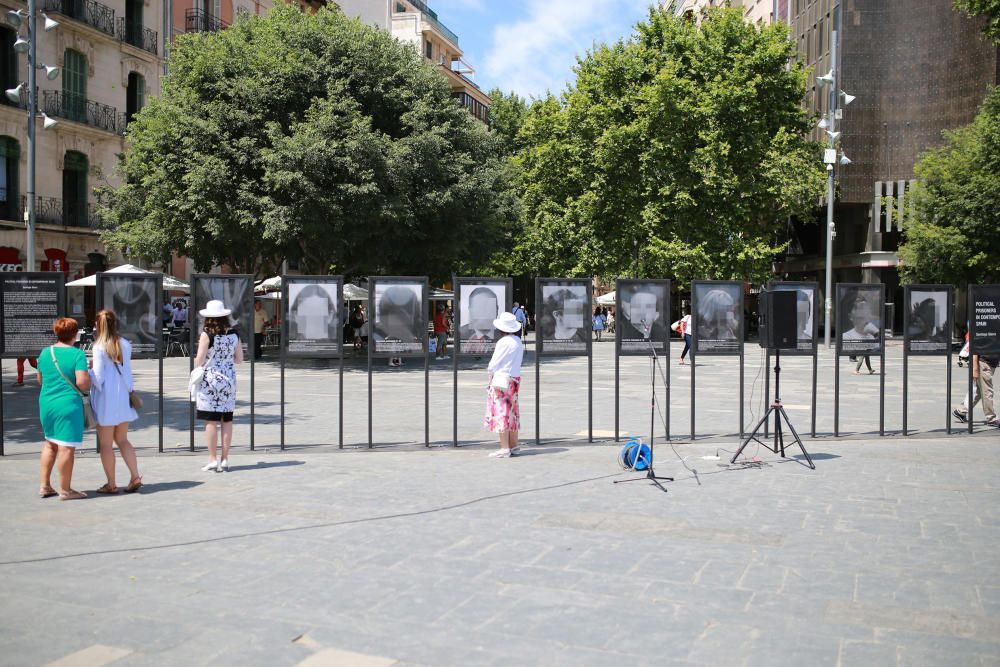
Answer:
(654, 479)
(778, 410)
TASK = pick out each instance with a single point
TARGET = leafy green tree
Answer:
(315, 138)
(988, 9)
(507, 114)
(689, 142)
(955, 234)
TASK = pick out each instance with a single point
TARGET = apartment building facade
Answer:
(412, 21)
(110, 56)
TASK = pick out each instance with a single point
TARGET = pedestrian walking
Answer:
(685, 328)
(111, 398)
(219, 351)
(598, 322)
(357, 324)
(20, 368)
(522, 318)
(503, 416)
(62, 372)
(983, 372)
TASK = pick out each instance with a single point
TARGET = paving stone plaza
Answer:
(408, 555)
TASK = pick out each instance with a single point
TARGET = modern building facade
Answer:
(412, 21)
(110, 56)
(917, 68)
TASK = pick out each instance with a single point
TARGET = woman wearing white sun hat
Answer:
(502, 413)
(219, 350)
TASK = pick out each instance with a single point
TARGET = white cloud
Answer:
(536, 53)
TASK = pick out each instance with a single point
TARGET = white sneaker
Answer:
(500, 454)
(212, 465)
(444, 357)
(223, 465)
(515, 450)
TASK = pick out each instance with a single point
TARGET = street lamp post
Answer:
(15, 18)
(830, 158)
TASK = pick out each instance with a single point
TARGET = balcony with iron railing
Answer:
(433, 19)
(134, 33)
(92, 13)
(198, 20)
(61, 104)
(51, 211)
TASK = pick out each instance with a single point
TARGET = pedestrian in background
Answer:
(598, 322)
(684, 328)
(219, 351)
(441, 332)
(20, 368)
(259, 324)
(62, 372)
(983, 372)
(503, 416)
(522, 319)
(110, 398)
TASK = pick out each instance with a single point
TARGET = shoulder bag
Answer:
(500, 381)
(89, 421)
(134, 399)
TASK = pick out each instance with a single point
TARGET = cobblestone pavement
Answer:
(883, 555)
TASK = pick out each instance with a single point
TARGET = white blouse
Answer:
(507, 356)
(111, 384)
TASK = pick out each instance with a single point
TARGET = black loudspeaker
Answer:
(778, 320)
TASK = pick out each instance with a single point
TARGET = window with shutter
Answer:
(74, 81)
(75, 168)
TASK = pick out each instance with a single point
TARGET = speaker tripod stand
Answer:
(650, 475)
(778, 410)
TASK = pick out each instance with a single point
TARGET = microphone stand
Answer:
(651, 475)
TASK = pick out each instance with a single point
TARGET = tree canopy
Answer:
(988, 9)
(954, 236)
(313, 138)
(686, 143)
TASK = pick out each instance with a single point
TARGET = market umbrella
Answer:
(170, 284)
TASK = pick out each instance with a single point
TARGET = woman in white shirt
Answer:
(111, 383)
(502, 413)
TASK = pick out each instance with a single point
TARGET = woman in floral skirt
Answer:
(502, 413)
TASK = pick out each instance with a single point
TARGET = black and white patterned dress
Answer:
(217, 392)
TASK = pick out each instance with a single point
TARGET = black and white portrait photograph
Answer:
(926, 329)
(805, 313)
(400, 325)
(642, 316)
(564, 318)
(135, 301)
(718, 317)
(236, 292)
(313, 318)
(479, 305)
(859, 318)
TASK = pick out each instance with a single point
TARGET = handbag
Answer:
(500, 381)
(133, 398)
(89, 421)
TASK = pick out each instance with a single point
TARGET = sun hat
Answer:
(507, 322)
(215, 308)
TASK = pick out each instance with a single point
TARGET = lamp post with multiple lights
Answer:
(830, 157)
(16, 18)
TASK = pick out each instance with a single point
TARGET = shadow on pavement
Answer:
(157, 487)
(260, 465)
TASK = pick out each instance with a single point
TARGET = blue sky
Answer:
(529, 46)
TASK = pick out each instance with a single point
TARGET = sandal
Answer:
(134, 485)
(47, 492)
(71, 495)
(107, 489)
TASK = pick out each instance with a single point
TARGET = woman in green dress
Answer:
(61, 408)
